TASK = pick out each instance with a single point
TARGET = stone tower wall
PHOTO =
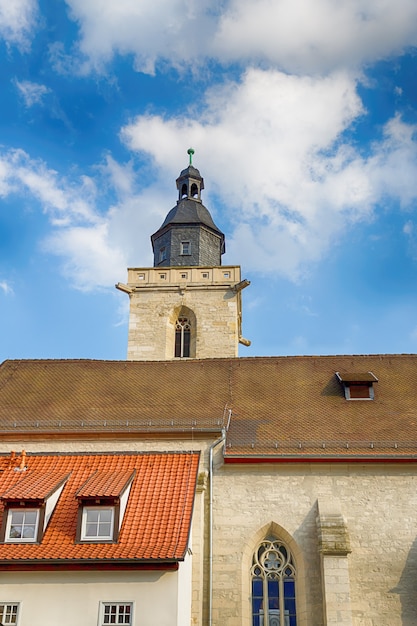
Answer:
(159, 294)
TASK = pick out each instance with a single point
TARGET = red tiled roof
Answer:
(156, 523)
(102, 485)
(33, 486)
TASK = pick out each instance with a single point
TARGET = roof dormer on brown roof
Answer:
(357, 377)
(358, 385)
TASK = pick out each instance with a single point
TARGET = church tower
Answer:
(188, 305)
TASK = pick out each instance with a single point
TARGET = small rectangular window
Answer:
(185, 247)
(205, 275)
(226, 274)
(162, 276)
(141, 276)
(360, 392)
(162, 254)
(22, 525)
(9, 613)
(116, 613)
(184, 275)
(97, 523)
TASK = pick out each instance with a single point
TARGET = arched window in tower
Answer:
(182, 337)
(194, 190)
(184, 191)
(273, 585)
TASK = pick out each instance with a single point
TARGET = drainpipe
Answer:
(213, 445)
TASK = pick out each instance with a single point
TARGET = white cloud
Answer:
(6, 287)
(309, 36)
(301, 36)
(169, 29)
(91, 259)
(274, 155)
(273, 152)
(17, 21)
(62, 201)
(32, 93)
(95, 244)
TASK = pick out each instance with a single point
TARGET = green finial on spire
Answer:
(190, 152)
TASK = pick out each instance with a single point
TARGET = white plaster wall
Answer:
(73, 598)
(185, 592)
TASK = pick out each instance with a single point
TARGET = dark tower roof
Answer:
(189, 212)
(185, 223)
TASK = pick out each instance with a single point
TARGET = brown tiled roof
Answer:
(295, 407)
(111, 396)
(280, 406)
(34, 486)
(104, 485)
(156, 523)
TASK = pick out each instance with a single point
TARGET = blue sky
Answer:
(303, 117)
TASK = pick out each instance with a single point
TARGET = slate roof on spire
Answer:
(190, 212)
(191, 171)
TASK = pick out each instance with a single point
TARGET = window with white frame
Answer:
(22, 525)
(9, 613)
(116, 613)
(97, 523)
(273, 585)
(185, 247)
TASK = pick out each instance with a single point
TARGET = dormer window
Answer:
(22, 525)
(358, 385)
(97, 523)
(9, 613)
(29, 506)
(102, 503)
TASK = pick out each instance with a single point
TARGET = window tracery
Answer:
(182, 337)
(273, 585)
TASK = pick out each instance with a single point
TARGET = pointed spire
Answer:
(189, 182)
(188, 235)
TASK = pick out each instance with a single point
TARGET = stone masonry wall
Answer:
(378, 504)
(154, 309)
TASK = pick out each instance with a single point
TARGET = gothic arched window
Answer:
(182, 337)
(273, 585)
